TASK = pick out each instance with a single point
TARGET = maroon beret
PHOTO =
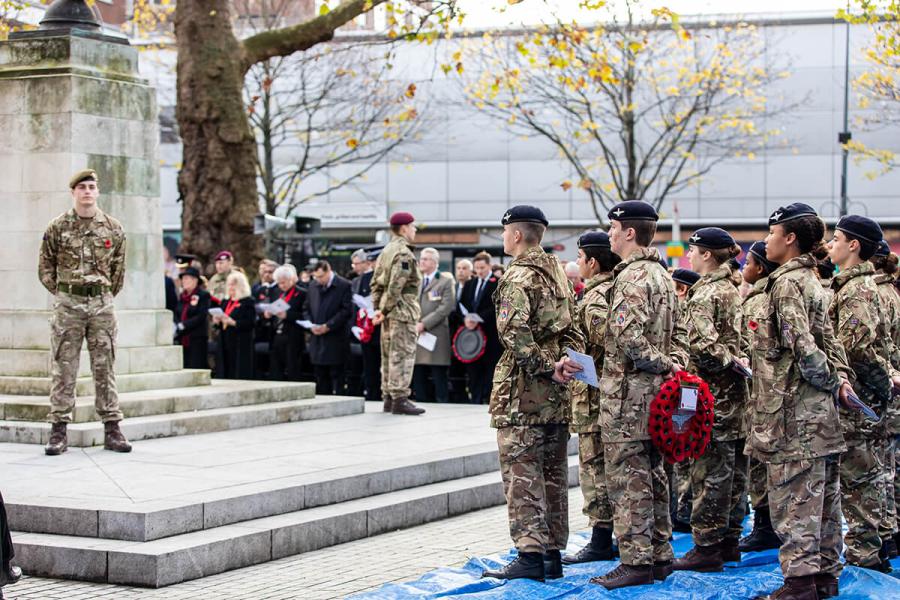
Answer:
(402, 218)
(224, 254)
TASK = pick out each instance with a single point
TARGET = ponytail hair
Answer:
(886, 264)
(810, 232)
(721, 255)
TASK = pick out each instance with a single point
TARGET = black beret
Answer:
(758, 250)
(862, 228)
(633, 210)
(685, 276)
(883, 249)
(192, 271)
(791, 212)
(594, 239)
(524, 214)
(184, 259)
(712, 237)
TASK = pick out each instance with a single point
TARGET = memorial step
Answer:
(128, 382)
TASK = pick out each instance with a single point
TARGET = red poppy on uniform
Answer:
(753, 325)
(107, 243)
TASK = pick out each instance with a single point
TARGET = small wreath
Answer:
(469, 344)
(364, 322)
(692, 441)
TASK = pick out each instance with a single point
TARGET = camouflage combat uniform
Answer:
(591, 315)
(218, 285)
(794, 426)
(395, 292)
(82, 263)
(754, 312)
(636, 361)
(854, 313)
(714, 322)
(890, 320)
(535, 309)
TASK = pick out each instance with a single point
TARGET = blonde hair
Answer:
(241, 284)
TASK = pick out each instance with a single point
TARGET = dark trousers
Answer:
(371, 355)
(7, 552)
(284, 359)
(329, 379)
(439, 378)
(481, 375)
(195, 355)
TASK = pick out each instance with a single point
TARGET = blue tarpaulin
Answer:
(757, 573)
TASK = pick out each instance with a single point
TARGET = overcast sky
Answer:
(498, 13)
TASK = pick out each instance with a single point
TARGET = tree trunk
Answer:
(218, 177)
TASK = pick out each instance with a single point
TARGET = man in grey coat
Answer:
(437, 301)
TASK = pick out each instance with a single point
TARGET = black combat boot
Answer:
(679, 526)
(599, 548)
(114, 439)
(826, 585)
(794, 588)
(731, 551)
(890, 547)
(59, 441)
(763, 536)
(703, 559)
(553, 568)
(387, 404)
(626, 576)
(403, 406)
(527, 565)
(884, 564)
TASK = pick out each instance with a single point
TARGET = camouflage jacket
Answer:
(217, 286)
(591, 315)
(714, 322)
(395, 283)
(535, 310)
(855, 315)
(754, 310)
(890, 319)
(83, 252)
(638, 342)
(797, 369)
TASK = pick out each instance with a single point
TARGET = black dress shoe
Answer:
(9, 574)
(527, 565)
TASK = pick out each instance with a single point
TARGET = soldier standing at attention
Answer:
(855, 315)
(638, 343)
(798, 370)
(595, 262)
(395, 294)
(529, 399)
(82, 263)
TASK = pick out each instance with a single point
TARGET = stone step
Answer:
(129, 382)
(219, 394)
(199, 554)
(142, 359)
(83, 435)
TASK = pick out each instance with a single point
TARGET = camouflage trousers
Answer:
(639, 492)
(534, 467)
(719, 481)
(862, 487)
(897, 476)
(398, 358)
(592, 477)
(759, 497)
(889, 508)
(805, 504)
(76, 318)
(684, 495)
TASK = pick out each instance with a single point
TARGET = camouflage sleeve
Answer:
(376, 286)
(117, 266)
(513, 313)
(857, 331)
(628, 315)
(594, 323)
(47, 261)
(708, 352)
(795, 335)
(575, 339)
(400, 270)
(680, 352)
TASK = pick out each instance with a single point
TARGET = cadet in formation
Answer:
(713, 323)
(596, 261)
(530, 399)
(395, 295)
(82, 263)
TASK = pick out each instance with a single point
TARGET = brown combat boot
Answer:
(662, 569)
(731, 551)
(826, 585)
(403, 406)
(626, 576)
(114, 439)
(703, 559)
(387, 404)
(59, 441)
(794, 588)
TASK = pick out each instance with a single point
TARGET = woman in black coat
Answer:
(289, 339)
(190, 315)
(8, 573)
(234, 355)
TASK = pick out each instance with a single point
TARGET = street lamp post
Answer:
(845, 136)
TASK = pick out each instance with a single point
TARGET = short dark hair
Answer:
(644, 231)
(322, 265)
(482, 256)
(532, 233)
(606, 258)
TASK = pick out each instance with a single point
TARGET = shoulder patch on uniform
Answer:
(621, 315)
(596, 320)
(504, 310)
(405, 265)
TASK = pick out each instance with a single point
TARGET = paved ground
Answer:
(335, 572)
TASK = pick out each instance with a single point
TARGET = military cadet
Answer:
(529, 400)
(82, 263)
(757, 269)
(636, 362)
(713, 321)
(595, 262)
(798, 368)
(395, 294)
(217, 285)
(855, 316)
(885, 263)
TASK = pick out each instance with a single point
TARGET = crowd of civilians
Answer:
(225, 324)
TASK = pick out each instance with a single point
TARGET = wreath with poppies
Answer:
(367, 328)
(691, 442)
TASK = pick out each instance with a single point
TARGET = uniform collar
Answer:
(651, 254)
(758, 288)
(97, 218)
(597, 280)
(804, 261)
(860, 270)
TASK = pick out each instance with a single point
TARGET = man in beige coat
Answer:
(437, 300)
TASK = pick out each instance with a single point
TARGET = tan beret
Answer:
(83, 175)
